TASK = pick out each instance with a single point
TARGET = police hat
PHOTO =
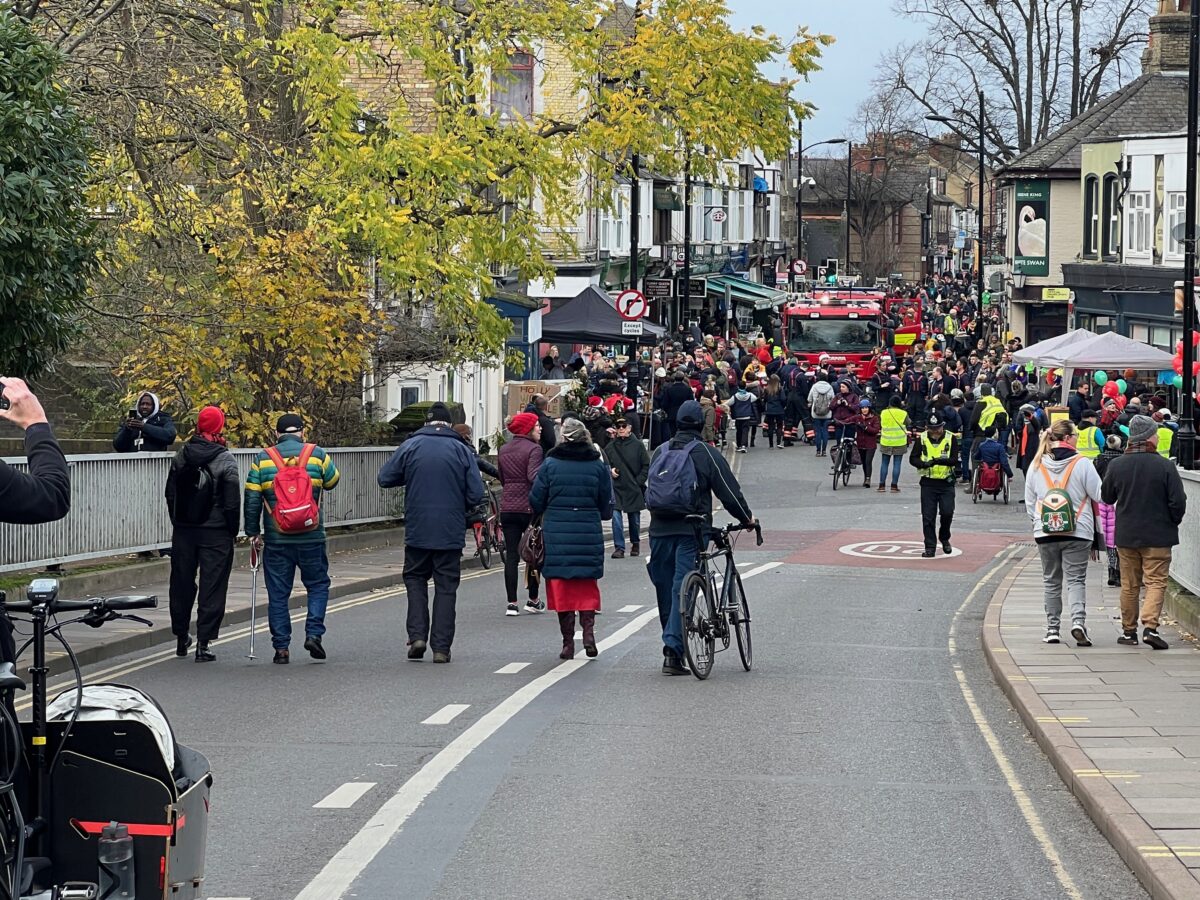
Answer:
(936, 421)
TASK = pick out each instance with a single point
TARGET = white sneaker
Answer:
(535, 606)
(512, 610)
(1079, 633)
(1051, 637)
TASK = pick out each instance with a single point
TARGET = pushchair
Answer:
(989, 478)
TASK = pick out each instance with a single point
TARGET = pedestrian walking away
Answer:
(441, 475)
(282, 513)
(684, 475)
(573, 494)
(935, 455)
(820, 404)
(1060, 496)
(629, 465)
(1147, 494)
(203, 496)
(519, 461)
(866, 437)
(1114, 447)
(741, 408)
(893, 443)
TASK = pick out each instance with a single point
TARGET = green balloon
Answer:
(1101, 378)
(1121, 385)
(1177, 381)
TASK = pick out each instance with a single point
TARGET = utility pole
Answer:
(799, 201)
(979, 225)
(1187, 423)
(686, 300)
(849, 175)
(635, 220)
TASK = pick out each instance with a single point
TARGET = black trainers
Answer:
(1080, 635)
(416, 649)
(441, 656)
(182, 645)
(281, 658)
(927, 554)
(535, 606)
(1129, 639)
(314, 648)
(1151, 638)
(673, 665)
(1051, 636)
(946, 548)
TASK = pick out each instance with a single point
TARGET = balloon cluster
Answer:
(1177, 363)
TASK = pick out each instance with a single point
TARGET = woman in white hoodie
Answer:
(1062, 489)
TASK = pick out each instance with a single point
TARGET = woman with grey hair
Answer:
(573, 494)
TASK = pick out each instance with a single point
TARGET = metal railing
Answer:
(1185, 561)
(118, 506)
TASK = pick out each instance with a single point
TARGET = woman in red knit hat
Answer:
(519, 461)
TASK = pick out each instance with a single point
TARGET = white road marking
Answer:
(339, 873)
(633, 607)
(758, 570)
(511, 668)
(345, 796)
(579, 635)
(446, 714)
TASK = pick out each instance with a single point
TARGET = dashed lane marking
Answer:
(446, 714)
(345, 796)
(511, 668)
(632, 607)
(1024, 803)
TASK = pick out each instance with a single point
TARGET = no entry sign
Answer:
(632, 304)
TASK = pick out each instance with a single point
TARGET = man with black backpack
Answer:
(286, 482)
(203, 503)
(684, 474)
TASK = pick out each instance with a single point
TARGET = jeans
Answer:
(671, 558)
(445, 568)
(635, 528)
(821, 434)
(1143, 565)
(1065, 560)
(514, 525)
(280, 562)
(894, 462)
(211, 551)
(936, 497)
(965, 456)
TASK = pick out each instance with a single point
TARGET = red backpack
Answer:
(989, 477)
(296, 509)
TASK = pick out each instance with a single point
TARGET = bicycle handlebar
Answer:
(98, 604)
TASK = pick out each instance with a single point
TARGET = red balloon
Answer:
(1195, 338)
(1177, 365)
(1111, 389)
(1121, 401)
(1178, 347)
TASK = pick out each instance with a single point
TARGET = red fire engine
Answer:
(846, 327)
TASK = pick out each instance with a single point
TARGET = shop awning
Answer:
(758, 295)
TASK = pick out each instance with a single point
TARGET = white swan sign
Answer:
(1033, 228)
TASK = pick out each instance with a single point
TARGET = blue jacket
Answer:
(992, 451)
(573, 492)
(441, 475)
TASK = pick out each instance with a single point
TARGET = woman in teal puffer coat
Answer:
(573, 493)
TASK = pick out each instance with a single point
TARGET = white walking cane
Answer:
(254, 565)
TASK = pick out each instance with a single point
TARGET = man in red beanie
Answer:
(203, 489)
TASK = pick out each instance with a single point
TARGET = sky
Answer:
(848, 66)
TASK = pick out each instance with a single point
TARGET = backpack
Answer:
(989, 477)
(296, 509)
(673, 485)
(195, 495)
(821, 404)
(1057, 514)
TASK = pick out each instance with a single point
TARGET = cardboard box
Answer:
(520, 393)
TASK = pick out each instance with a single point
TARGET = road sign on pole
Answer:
(799, 267)
(631, 329)
(632, 305)
(718, 215)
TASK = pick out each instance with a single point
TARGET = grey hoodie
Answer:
(821, 387)
(1083, 484)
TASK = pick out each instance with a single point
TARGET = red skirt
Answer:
(573, 594)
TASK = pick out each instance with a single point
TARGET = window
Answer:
(897, 227)
(1175, 219)
(710, 227)
(1140, 333)
(1137, 223)
(1111, 243)
(512, 89)
(409, 394)
(1160, 336)
(1091, 215)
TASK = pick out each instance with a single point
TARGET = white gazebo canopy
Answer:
(1082, 349)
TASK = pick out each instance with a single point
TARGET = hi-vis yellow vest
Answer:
(893, 432)
(1166, 437)
(1091, 441)
(992, 407)
(931, 451)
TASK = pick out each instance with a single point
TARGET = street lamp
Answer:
(849, 177)
(800, 151)
(960, 127)
(1187, 422)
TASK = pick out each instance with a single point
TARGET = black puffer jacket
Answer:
(227, 487)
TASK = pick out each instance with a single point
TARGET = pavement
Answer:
(1120, 724)
(869, 754)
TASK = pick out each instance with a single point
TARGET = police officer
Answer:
(934, 455)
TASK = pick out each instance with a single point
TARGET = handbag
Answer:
(532, 548)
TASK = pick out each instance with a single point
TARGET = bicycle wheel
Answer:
(837, 467)
(696, 610)
(739, 620)
(497, 535)
(847, 466)
(485, 547)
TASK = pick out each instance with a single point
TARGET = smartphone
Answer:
(4, 404)
(132, 414)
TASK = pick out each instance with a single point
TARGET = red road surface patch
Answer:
(900, 550)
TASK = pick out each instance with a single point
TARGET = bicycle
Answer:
(843, 461)
(80, 774)
(710, 613)
(489, 535)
